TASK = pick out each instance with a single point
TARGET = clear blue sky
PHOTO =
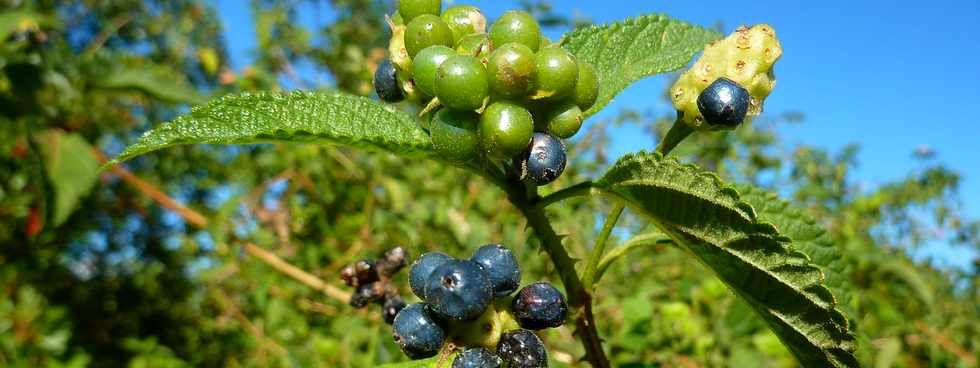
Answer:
(889, 75)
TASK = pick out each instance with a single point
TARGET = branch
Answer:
(296, 273)
(190, 216)
(947, 344)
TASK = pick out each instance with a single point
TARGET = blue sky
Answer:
(887, 75)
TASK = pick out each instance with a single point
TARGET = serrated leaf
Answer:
(157, 82)
(72, 168)
(808, 237)
(708, 218)
(625, 52)
(315, 117)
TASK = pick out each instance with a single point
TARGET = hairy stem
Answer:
(588, 277)
(675, 135)
(579, 299)
(581, 189)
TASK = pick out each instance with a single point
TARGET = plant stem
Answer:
(675, 135)
(655, 238)
(580, 189)
(579, 299)
(588, 277)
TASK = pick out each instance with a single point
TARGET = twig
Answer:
(947, 344)
(102, 37)
(296, 273)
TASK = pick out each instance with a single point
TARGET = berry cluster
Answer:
(506, 94)
(371, 280)
(730, 81)
(468, 303)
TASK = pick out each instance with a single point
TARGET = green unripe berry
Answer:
(587, 86)
(505, 130)
(563, 121)
(516, 26)
(461, 83)
(454, 134)
(410, 9)
(426, 63)
(556, 73)
(511, 69)
(477, 44)
(424, 31)
(464, 20)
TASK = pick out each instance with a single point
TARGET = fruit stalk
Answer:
(579, 299)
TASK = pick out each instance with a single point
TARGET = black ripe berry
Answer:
(417, 332)
(501, 266)
(724, 103)
(539, 306)
(458, 290)
(422, 268)
(522, 349)
(544, 160)
(392, 305)
(386, 82)
(477, 358)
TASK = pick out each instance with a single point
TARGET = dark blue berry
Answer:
(458, 290)
(417, 332)
(477, 358)
(724, 103)
(386, 82)
(522, 349)
(540, 305)
(392, 305)
(544, 160)
(421, 270)
(501, 266)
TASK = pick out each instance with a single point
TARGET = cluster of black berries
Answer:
(506, 94)
(371, 280)
(467, 303)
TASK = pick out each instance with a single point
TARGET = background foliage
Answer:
(150, 264)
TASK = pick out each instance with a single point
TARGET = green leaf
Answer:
(625, 52)
(808, 237)
(707, 217)
(317, 117)
(72, 168)
(155, 81)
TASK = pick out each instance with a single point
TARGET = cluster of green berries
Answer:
(371, 280)
(487, 94)
(729, 82)
(468, 304)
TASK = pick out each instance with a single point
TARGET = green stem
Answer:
(641, 240)
(675, 135)
(579, 299)
(577, 190)
(588, 277)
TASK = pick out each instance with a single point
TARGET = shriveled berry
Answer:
(587, 86)
(477, 358)
(522, 349)
(393, 304)
(724, 103)
(540, 305)
(510, 69)
(544, 160)
(461, 83)
(505, 129)
(477, 44)
(454, 134)
(421, 270)
(425, 64)
(417, 332)
(501, 266)
(424, 31)
(464, 20)
(392, 262)
(364, 295)
(386, 82)
(563, 121)
(555, 73)
(458, 290)
(516, 26)
(409, 9)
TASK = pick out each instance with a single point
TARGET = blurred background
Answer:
(158, 262)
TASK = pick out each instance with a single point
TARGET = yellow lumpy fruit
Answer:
(746, 56)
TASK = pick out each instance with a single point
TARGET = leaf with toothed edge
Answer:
(314, 117)
(709, 218)
(627, 51)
